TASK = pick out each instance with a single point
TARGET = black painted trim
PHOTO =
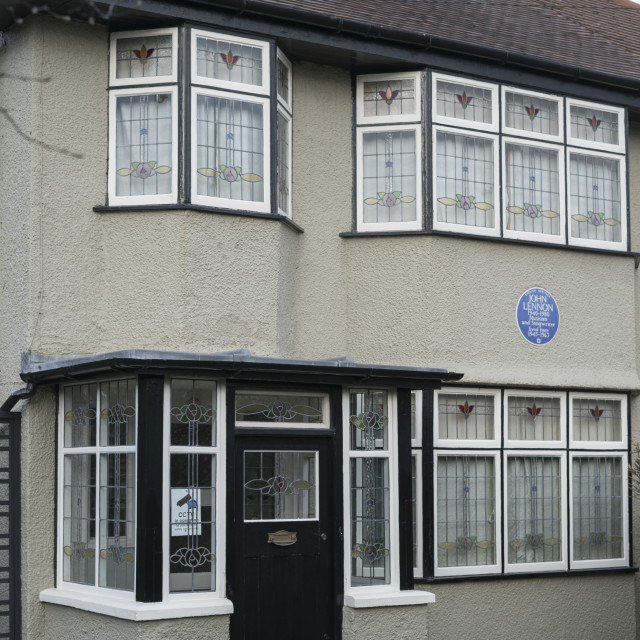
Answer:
(15, 527)
(149, 475)
(428, 489)
(230, 457)
(404, 490)
(194, 207)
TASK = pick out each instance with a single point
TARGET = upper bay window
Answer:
(500, 161)
(236, 137)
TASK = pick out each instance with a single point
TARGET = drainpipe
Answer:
(16, 396)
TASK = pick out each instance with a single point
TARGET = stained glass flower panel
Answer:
(466, 102)
(393, 97)
(144, 57)
(594, 124)
(532, 113)
(598, 419)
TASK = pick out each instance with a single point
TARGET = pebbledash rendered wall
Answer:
(76, 282)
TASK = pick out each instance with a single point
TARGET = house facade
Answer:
(319, 321)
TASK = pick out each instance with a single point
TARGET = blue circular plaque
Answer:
(538, 316)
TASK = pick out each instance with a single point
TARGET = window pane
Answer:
(284, 171)
(531, 114)
(465, 180)
(368, 419)
(534, 510)
(283, 81)
(80, 415)
(144, 56)
(466, 505)
(280, 485)
(192, 542)
(270, 408)
(118, 413)
(144, 144)
(230, 149)
(597, 420)
(466, 416)
(532, 189)
(370, 524)
(595, 125)
(595, 203)
(464, 101)
(534, 418)
(598, 505)
(393, 97)
(229, 61)
(193, 412)
(117, 521)
(79, 527)
(389, 176)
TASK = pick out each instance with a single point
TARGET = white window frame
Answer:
(528, 567)
(390, 119)
(411, 225)
(465, 228)
(474, 125)
(417, 568)
(562, 216)
(600, 244)
(262, 89)
(263, 206)
(416, 442)
(591, 144)
(306, 426)
(530, 134)
(286, 102)
(164, 198)
(535, 444)
(289, 120)
(391, 453)
(73, 588)
(600, 445)
(461, 443)
(606, 562)
(480, 569)
(120, 35)
(219, 451)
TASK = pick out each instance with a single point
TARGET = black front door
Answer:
(282, 581)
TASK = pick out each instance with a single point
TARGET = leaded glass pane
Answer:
(598, 506)
(117, 521)
(531, 114)
(370, 521)
(414, 490)
(389, 183)
(463, 416)
(279, 408)
(192, 543)
(393, 97)
(146, 56)
(532, 193)
(595, 203)
(230, 143)
(118, 413)
(534, 510)
(597, 420)
(413, 415)
(79, 512)
(534, 418)
(284, 78)
(466, 509)
(595, 125)
(464, 102)
(193, 412)
(220, 59)
(465, 179)
(144, 144)
(280, 485)
(369, 419)
(284, 170)
(80, 415)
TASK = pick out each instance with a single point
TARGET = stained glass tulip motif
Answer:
(534, 411)
(389, 95)
(389, 199)
(144, 170)
(532, 112)
(464, 99)
(143, 54)
(596, 413)
(229, 59)
(466, 409)
(594, 122)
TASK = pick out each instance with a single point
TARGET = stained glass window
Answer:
(465, 181)
(533, 114)
(80, 415)
(272, 409)
(466, 416)
(284, 80)
(596, 126)
(465, 102)
(389, 98)
(596, 199)
(535, 418)
(598, 421)
(283, 177)
(144, 56)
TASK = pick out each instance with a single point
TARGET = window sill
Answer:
(392, 599)
(138, 611)
(195, 207)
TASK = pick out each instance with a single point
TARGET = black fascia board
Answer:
(236, 365)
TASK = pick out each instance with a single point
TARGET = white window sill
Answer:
(131, 610)
(392, 599)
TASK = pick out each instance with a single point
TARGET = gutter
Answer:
(22, 394)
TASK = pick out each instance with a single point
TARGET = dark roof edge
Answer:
(423, 40)
(37, 368)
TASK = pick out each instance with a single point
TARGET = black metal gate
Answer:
(10, 614)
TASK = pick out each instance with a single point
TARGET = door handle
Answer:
(323, 537)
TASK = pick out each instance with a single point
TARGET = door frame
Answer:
(333, 434)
